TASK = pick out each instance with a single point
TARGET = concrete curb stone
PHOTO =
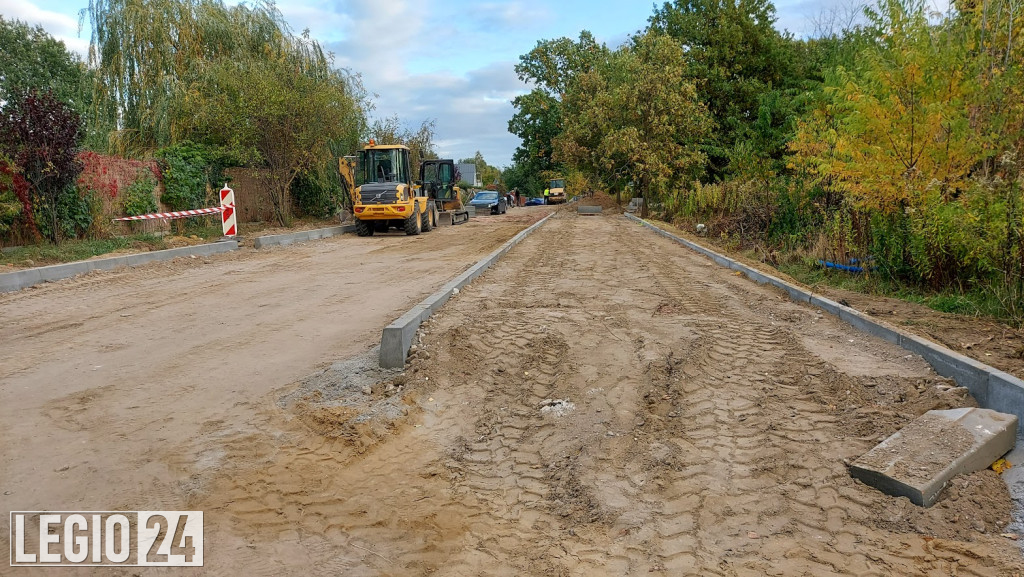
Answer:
(301, 236)
(397, 337)
(18, 280)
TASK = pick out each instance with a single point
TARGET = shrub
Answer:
(185, 171)
(138, 198)
(72, 215)
(312, 196)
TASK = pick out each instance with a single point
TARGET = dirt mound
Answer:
(874, 407)
(602, 199)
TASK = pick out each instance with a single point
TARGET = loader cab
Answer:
(383, 164)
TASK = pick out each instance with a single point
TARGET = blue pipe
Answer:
(843, 267)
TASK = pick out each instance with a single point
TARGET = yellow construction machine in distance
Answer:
(383, 193)
(556, 191)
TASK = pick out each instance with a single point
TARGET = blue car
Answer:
(490, 201)
(537, 201)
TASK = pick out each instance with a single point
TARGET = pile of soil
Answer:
(602, 199)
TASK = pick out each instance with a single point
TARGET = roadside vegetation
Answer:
(892, 138)
(172, 94)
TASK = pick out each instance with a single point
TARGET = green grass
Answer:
(969, 303)
(74, 250)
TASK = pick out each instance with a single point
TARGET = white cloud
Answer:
(60, 25)
(471, 111)
(404, 53)
(327, 21)
(508, 16)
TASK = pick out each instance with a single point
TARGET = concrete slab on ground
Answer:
(584, 209)
(918, 460)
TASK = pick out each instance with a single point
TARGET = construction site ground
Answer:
(600, 402)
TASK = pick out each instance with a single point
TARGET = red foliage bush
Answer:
(20, 186)
(107, 175)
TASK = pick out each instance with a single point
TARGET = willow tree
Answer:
(142, 49)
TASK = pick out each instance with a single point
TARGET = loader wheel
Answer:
(414, 224)
(364, 228)
(428, 219)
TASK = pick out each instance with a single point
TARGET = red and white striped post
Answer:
(227, 213)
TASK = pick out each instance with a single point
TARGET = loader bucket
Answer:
(450, 217)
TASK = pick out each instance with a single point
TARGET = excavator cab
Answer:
(438, 179)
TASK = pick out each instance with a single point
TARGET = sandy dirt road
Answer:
(103, 374)
(601, 402)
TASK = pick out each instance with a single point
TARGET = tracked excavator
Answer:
(384, 194)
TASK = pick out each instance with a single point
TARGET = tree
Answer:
(636, 118)
(553, 64)
(421, 143)
(528, 181)
(272, 113)
(906, 120)
(145, 52)
(734, 56)
(537, 121)
(551, 67)
(40, 135)
(32, 59)
(488, 175)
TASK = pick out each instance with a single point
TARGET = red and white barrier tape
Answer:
(178, 213)
(226, 210)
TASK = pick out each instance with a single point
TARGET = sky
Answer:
(448, 61)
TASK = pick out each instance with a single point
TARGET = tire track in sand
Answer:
(694, 437)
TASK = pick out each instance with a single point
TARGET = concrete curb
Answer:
(397, 337)
(994, 389)
(13, 281)
(301, 236)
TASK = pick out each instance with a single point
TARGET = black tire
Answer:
(364, 228)
(428, 218)
(504, 208)
(414, 223)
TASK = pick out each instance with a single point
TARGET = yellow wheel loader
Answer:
(383, 193)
